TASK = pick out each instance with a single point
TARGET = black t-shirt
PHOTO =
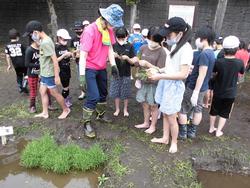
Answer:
(75, 44)
(227, 76)
(123, 66)
(16, 51)
(64, 64)
(32, 61)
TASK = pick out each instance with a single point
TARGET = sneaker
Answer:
(82, 96)
(68, 102)
(182, 132)
(32, 110)
(89, 131)
(191, 131)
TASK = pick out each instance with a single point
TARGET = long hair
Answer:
(187, 34)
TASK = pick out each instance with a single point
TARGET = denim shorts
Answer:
(49, 82)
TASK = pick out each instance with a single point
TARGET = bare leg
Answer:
(212, 123)
(174, 129)
(45, 102)
(125, 108)
(154, 115)
(221, 124)
(206, 99)
(166, 129)
(59, 98)
(182, 118)
(146, 112)
(117, 106)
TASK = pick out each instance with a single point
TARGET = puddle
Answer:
(12, 175)
(220, 180)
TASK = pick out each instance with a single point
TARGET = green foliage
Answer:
(16, 110)
(131, 2)
(45, 153)
(102, 179)
(142, 75)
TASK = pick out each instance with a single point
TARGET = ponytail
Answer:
(187, 34)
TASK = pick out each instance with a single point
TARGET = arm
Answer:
(82, 62)
(201, 77)
(8, 62)
(56, 68)
(111, 56)
(67, 54)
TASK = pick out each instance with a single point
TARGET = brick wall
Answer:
(16, 13)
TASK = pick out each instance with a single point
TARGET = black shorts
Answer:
(222, 107)
(65, 79)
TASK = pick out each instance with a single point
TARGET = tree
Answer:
(219, 15)
(53, 19)
(133, 11)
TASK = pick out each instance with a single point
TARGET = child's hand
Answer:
(116, 55)
(68, 54)
(143, 63)
(9, 68)
(57, 80)
(125, 57)
(155, 77)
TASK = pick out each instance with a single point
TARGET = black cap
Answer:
(13, 33)
(175, 24)
(78, 25)
(32, 26)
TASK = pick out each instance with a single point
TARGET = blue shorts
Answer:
(49, 82)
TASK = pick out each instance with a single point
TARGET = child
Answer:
(15, 54)
(225, 88)
(170, 89)
(75, 44)
(197, 84)
(63, 57)
(49, 69)
(151, 55)
(120, 88)
(32, 63)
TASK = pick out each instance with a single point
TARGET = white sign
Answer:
(4, 131)
(184, 11)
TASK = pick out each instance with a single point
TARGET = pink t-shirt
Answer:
(91, 42)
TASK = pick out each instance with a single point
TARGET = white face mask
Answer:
(121, 41)
(63, 42)
(199, 44)
(35, 37)
(153, 44)
(175, 40)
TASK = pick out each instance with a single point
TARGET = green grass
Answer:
(46, 154)
(16, 110)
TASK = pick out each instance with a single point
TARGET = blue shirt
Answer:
(205, 58)
(137, 41)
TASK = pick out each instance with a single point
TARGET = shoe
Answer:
(182, 132)
(32, 109)
(191, 131)
(82, 96)
(89, 131)
(101, 113)
(68, 102)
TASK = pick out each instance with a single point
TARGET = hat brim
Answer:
(78, 28)
(113, 23)
(165, 31)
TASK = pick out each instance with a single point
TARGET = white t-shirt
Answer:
(183, 57)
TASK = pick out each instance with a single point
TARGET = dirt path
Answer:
(140, 163)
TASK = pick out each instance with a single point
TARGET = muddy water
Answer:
(220, 180)
(12, 175)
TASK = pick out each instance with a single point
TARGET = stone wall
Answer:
(16, 13)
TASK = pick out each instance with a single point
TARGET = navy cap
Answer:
(31, 26)
(174, 24)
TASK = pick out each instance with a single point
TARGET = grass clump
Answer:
(17, 110)
(46, 154)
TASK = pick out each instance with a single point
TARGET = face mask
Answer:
(153, 44)
(63, 42)
(174, 41)
(35, 37)
(198, 43)
(121, 42)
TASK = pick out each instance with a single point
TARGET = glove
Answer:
(114, 71)
(194, 98)
(82, 80)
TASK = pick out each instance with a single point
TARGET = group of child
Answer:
(163, 53)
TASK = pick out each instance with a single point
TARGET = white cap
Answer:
(85, 22)
(63, 33)
(136, 26)
(144, 32)
(231, 42)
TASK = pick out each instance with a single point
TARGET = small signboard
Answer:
(4, 131)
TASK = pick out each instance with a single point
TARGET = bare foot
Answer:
(116, 113)
(64, 114)
(142, 126)
(150, 130)
(160, 140)
(126, 114)
(173, 148)
(218, 133)
(212, 130)
(42, 115)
